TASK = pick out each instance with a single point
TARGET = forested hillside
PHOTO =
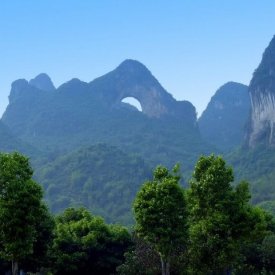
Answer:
(102, 178)
(79, 114)
(257, 166)
(9, 142)
(224, 121)
(206, 228)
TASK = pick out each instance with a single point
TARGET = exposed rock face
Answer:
(223, 122)
(133, 79)
(42, 82)
(262, 94)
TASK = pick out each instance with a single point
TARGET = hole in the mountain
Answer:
(133, 102)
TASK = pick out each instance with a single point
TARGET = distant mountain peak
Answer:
(17, 88)
(223, 122)
(131, 64)
(42, 82)
(134, 69)
(132, 79)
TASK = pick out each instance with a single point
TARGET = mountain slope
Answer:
(255, 161)
(223, 122)
(80, 114)
(256, 166)
(101, 178)
(9, 143)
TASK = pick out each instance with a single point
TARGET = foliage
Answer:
(102, 178)
(83, 244)
(256, 166)
(22, 213)
(9, 142)
(142, 259)
(221, 218)
(268, 252)
(160, 213)
(252, 258)
(40, 257)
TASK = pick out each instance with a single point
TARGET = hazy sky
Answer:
(192, 47)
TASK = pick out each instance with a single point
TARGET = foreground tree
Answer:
(221, 218)
(85, 244)
(141, 259)
(40, 258)
(21, 209)
(160, 213)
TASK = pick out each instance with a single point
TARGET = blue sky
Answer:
(192, 47)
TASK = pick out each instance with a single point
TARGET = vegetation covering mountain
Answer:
(102, 178)
(80, 114)
(257, 166)
(211, 227)
(9, 142)
(223, 122)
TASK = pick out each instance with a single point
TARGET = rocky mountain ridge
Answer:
(81, 114)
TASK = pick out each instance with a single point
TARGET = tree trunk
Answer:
(165, 267)
(14, 267)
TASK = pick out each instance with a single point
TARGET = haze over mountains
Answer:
(66, 124)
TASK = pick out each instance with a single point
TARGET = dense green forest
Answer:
(257, 166)
(101, 178)
(210, 227)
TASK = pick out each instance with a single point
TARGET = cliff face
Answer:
(262, 95)
(223, 122)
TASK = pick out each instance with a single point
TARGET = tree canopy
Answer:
(221, 218)
(160, 212)
(85, 243)
(21, 209)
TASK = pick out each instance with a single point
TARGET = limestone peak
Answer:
(262, 94)
(42, 82)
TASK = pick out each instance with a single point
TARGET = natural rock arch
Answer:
(133, 102)
(150, 100)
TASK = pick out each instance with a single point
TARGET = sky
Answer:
(191, 46)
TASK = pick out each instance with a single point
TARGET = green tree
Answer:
(21, 209)
(142, 259)
(40, 257)
(268, 253)
(160, 213)
(85, 244)
(221, 218)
